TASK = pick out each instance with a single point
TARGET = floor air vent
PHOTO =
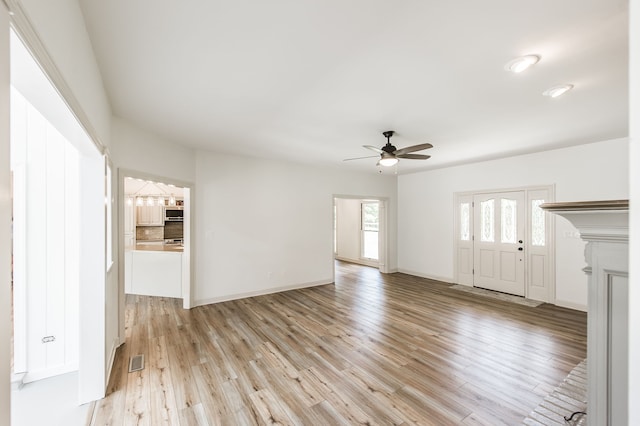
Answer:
(136, 363)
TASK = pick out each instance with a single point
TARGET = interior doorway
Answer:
(156, 236)
(360, 226)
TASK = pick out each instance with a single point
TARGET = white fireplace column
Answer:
(604, 226)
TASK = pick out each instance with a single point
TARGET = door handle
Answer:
(520, 249)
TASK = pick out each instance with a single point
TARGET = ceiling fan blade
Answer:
(413, 148)
(361, 158)
(373, 148)
(414, 156)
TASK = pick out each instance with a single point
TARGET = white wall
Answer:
(136, 149)
(634, 283)
(5, 223)
(425, 206)
(348, 229)
(61, 28)
(260, 225)
(265, 225)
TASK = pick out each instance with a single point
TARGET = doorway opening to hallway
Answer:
(360, 226)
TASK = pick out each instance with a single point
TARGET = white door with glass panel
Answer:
(498, 258)
(370, 227)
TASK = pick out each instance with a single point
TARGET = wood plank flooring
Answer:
(372, 349)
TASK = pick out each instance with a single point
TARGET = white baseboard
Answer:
(571, 305)
(272, 290)
(430, 277)
(112, 357)
(359, 261)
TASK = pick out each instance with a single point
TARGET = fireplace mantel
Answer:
(604, 226)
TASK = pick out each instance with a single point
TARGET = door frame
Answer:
(383, 231)
(5, 220)
(544, 294)
(362, 258)
(188, 254)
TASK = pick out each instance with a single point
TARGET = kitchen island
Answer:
(154, 269)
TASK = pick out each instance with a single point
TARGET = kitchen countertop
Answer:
(172, 248)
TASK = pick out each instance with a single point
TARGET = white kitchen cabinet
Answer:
(153, 273)
(150, 215)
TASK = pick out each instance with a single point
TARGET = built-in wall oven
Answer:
(173, 214)
(173, 232)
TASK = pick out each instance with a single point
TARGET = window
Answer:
(538, 226)
(335, 228)
(465, 217)
(370, 211)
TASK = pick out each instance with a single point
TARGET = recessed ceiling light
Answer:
(522, 63)
(556, 91)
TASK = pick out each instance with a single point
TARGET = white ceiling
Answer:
(314, 80)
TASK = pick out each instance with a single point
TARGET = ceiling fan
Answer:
(389, 154)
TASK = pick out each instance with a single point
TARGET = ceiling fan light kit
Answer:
(387, 160)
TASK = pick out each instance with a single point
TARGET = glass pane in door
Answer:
(508, 221)
(370, 225)
(464, 222)
(487, 224)
(537, 224)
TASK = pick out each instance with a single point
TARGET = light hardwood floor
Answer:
(371, 349)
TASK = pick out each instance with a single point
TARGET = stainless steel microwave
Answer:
(173, 214)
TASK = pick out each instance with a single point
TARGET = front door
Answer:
(499, 229)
